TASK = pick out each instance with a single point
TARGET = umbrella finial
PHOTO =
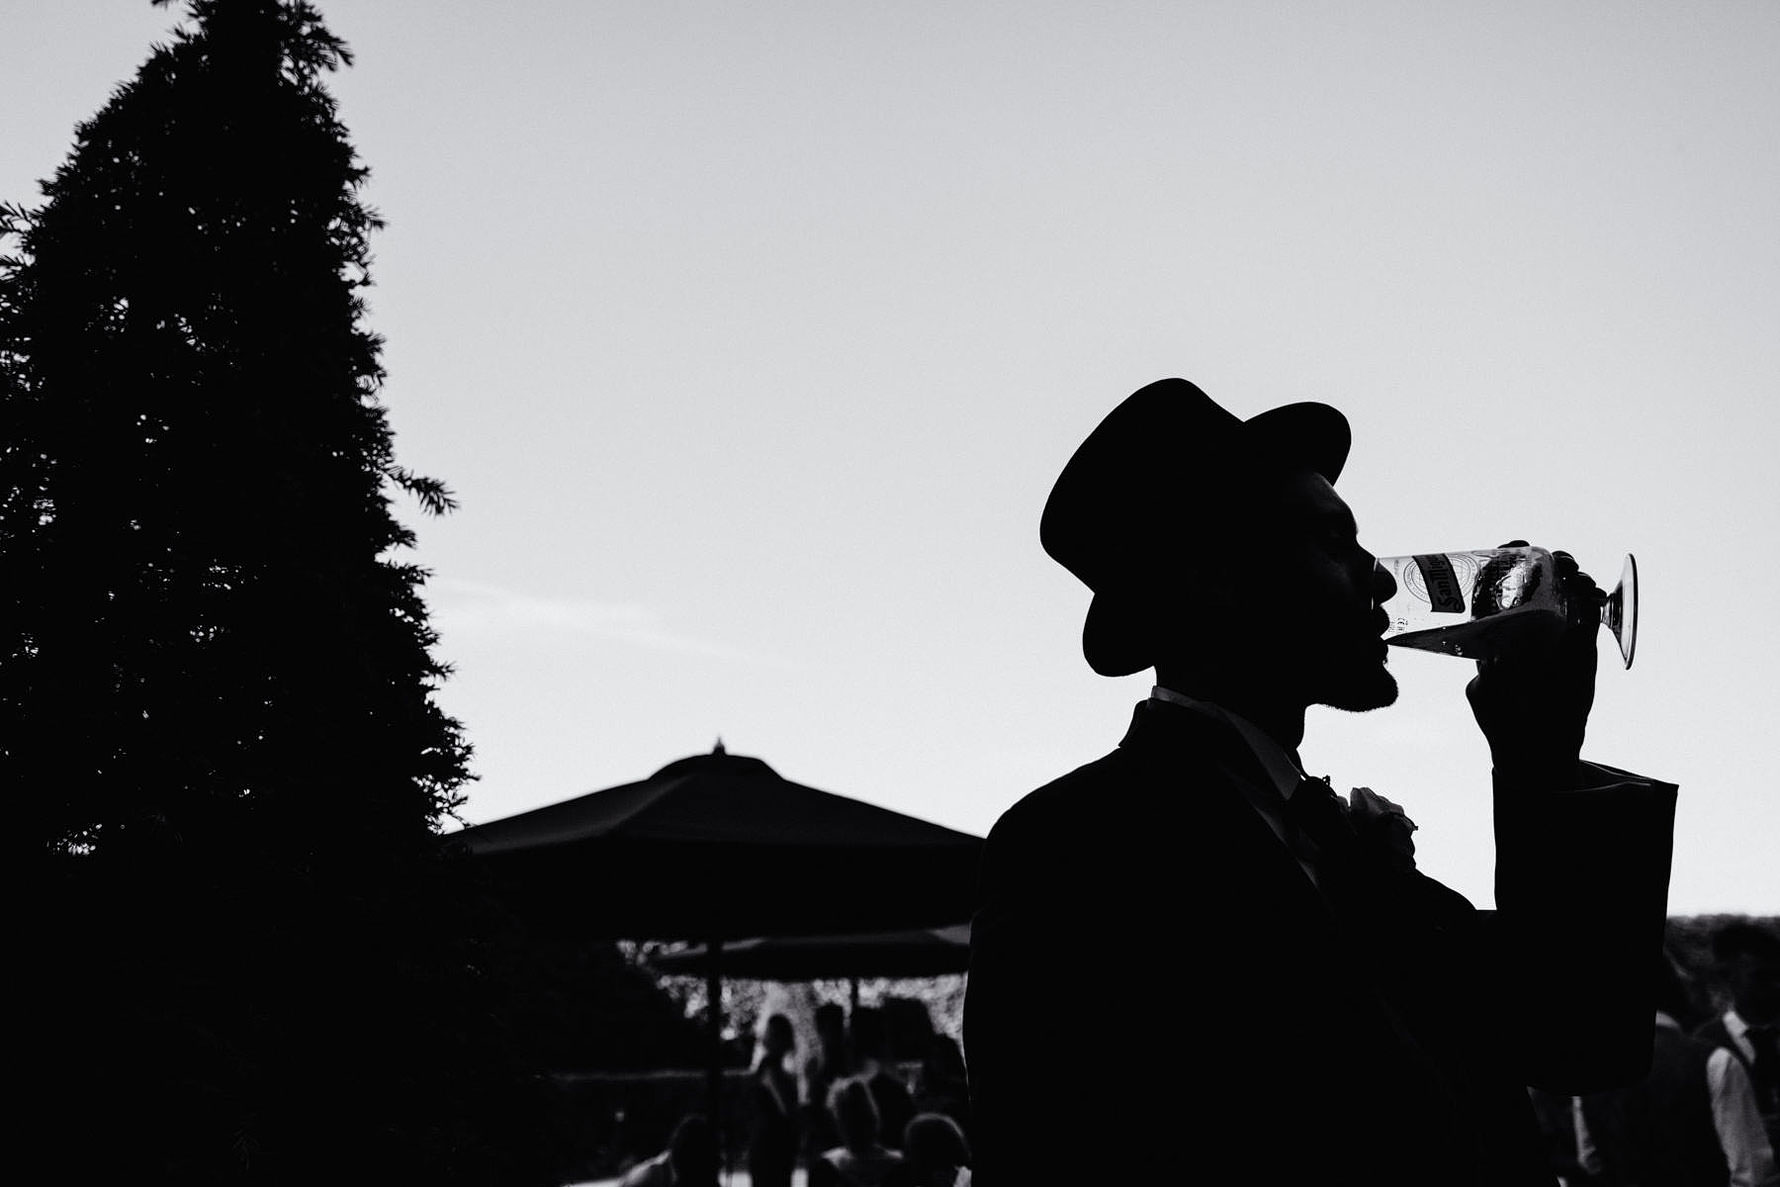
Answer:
(718, 748)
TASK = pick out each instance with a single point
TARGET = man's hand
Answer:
(1533, 698)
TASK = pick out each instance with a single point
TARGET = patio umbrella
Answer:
(720, 847)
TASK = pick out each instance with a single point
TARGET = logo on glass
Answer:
(1443, 589)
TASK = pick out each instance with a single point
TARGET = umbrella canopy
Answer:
(720, 847)
(912, 952)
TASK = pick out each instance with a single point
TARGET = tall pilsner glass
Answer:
(1466, 603)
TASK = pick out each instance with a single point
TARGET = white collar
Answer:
(1735, 1023)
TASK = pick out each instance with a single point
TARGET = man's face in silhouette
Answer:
(1315, 595)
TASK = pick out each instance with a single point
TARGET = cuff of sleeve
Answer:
(1594, 776)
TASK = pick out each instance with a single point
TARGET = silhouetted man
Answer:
(1193, 964)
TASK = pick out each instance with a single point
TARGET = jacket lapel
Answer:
(1176, 744)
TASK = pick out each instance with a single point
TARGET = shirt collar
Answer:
(1279, 764)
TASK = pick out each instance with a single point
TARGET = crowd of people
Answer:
(851, 1112)
(1707, 1114)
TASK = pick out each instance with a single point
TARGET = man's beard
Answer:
(1360, 689)
(1341, 666)
(1355, 679)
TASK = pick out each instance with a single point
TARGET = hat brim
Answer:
(1306, 435)
(1111, 641)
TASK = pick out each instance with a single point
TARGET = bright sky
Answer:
(752, 336)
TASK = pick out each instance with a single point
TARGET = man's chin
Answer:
(1371, 688)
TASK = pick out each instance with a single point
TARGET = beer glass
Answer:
(1467, 603)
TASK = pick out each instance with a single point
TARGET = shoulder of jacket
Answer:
(1064, 794)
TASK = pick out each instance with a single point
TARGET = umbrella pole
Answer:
(853, 1007)
(714, 1073)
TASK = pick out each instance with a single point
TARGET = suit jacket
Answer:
(1156, 989)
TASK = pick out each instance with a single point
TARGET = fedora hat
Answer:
(1158, 473)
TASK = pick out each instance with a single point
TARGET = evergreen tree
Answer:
(217, 724)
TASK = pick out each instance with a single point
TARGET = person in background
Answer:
(874, 1064)
(825, 1066)
(941, 1084)
(773, 1107)
(689, 1160)
(935, 1153)
(862, 1159)
(1559, 1126)
(1747, 957)
(1690, 1122)
(1344, 1017)
(909, 1022)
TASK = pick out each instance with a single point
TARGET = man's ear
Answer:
(1212, 591)
(1186, 609)
(1218, 593)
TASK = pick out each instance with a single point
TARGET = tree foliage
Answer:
(195, 521)
(218, 732)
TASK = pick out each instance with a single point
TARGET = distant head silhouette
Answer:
(1747, 957)
(855, 1113)
(934, 1145)
(777, 1039)
(831, 1023)
(870, 1036)
(1672, 995)
(692, 1151)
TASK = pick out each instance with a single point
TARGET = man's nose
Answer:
(1383, 584)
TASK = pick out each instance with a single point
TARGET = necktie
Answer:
(1764, 1069)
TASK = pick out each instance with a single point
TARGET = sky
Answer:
(751, 337)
